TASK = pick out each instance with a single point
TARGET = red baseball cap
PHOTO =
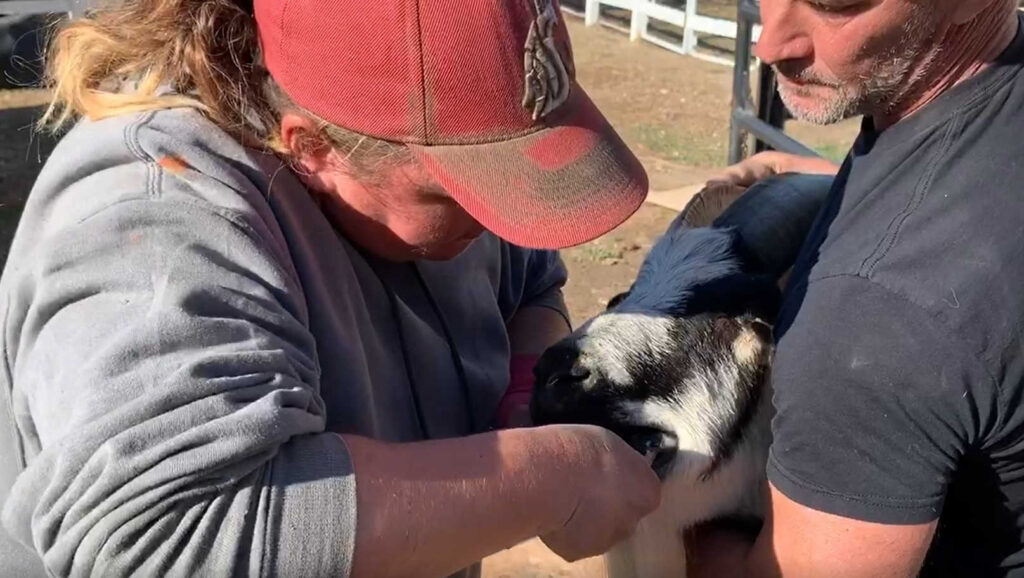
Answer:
(482, 91)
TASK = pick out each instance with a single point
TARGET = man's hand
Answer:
(769, 163)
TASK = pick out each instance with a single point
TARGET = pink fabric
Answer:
(520, 388)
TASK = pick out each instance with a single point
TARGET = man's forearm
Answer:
(431, 508)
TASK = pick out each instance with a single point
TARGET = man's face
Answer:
(841, 58)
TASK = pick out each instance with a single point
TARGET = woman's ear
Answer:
(300, 135)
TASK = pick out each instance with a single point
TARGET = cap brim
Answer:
(564, 185)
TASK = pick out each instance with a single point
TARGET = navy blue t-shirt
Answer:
(899, 373)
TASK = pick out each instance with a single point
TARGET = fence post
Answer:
(638, 20)
(591, 12)
(689, 32)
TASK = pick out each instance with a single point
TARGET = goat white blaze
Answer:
(698, 409)
(611, 340)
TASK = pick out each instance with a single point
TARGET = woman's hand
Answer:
(618, 489)
(769, 163)
(430, 508)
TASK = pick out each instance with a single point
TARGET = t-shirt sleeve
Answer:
(169, 389)
(875, 404)
(536, 277)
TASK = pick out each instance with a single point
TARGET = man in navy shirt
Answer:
(899, 431)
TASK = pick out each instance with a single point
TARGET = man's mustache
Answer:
(803, 74)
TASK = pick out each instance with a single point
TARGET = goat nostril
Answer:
(579, 372)
(572, 375)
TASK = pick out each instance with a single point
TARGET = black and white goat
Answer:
(678, 366)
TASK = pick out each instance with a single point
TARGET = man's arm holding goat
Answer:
(875, 404)
(709, 285)
(797, 541)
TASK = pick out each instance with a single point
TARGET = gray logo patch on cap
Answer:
(547, 80)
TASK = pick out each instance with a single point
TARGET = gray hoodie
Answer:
(183, 330)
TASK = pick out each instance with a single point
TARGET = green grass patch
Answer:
(598, 253)
(678, 145)
(833, 152)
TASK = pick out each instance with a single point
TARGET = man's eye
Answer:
(833, 8)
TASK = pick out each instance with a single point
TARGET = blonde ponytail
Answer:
(137, 55)
(120, 58)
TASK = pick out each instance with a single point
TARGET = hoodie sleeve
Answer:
(166, 387)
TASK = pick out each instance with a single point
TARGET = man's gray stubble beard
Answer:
(881, 92)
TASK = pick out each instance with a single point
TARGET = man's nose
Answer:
(783, 33)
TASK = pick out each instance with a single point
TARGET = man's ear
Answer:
(302, 138)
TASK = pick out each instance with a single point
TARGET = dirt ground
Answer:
(672, 110)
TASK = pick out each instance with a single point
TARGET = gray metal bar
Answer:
(759, 119)
(749, 11)
(741, 76)
(778, 140)
(770, 107)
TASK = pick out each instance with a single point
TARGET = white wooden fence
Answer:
(687, 18)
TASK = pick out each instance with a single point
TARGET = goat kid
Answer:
(679, 365)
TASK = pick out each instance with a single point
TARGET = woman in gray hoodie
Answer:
(277, 291)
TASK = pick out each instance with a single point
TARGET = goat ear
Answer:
(616, 300)
(762, 328)
(753, 343)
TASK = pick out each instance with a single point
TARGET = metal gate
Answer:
(762, 117)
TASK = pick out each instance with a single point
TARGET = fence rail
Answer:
(680, 13)
(762, 117)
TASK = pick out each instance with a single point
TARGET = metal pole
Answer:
(770, 108)
(766, 119)
(740, 80)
